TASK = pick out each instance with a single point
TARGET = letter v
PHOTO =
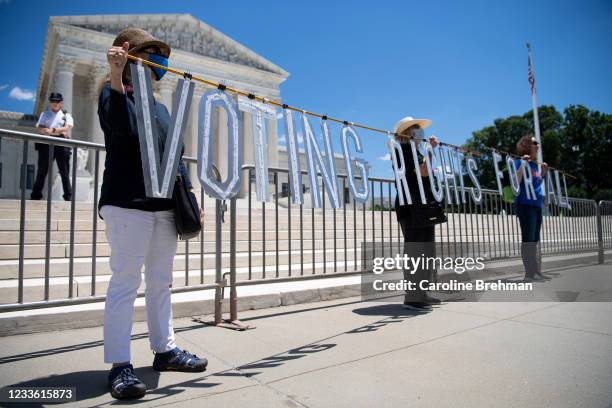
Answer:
(159, 180)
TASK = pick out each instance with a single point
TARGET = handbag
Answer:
(426, 215)
(186, 211)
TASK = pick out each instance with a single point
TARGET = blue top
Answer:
(522, 198)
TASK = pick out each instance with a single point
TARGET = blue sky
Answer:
(461, 64)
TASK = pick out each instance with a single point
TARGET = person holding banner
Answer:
(528, 204)
(417, 238)
(140, 230)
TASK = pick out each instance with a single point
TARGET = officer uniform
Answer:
(53, 120)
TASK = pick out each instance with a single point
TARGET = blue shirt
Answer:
(536, 177)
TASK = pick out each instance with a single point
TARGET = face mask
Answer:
(419, 133)
(159, 60)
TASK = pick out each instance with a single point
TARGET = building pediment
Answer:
(181, 31)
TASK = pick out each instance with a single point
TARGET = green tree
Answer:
(504, 134)
(579, 142)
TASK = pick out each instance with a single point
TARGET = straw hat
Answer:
(140, 39)
(408, 121)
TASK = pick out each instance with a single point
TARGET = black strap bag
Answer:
(426, 215)
(186, 211)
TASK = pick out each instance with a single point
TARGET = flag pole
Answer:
(534, 105)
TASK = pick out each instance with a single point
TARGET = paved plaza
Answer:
(348, 353)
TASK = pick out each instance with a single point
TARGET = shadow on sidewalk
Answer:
(83, 346)
(93, 384)
(390, 310)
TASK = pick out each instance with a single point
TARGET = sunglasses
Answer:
(153, 50)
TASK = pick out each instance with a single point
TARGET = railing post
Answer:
(600, 244)
(218, 242)
(233, 291)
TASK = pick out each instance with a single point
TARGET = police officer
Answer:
(55, 122)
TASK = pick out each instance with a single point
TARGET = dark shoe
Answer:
(124, 384)
(533, 278)
(67, 198)
(420, 306)
(432, 300)
(541, 276)
(35, 197)
(179, 360)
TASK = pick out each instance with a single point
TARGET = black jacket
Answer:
(123, 180)
(403, 211)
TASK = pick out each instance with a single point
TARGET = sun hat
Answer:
(408, 121)
(140, 39)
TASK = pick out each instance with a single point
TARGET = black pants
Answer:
(530, 219)
(62, 158)
(418, 242)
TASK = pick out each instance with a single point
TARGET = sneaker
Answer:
(179, 360)
(124, 384)
(433, 301)
(420, 306)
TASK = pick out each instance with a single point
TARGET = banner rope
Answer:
(262, 99)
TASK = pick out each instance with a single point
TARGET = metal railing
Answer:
(262, 242)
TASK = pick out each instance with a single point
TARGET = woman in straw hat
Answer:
(140, 230)
(416, 238)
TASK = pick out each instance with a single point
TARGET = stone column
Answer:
(191, 135)
(166, 92)
(93, 130)
(62, 83)
(220, 130)
(248, 151)
(64, 76)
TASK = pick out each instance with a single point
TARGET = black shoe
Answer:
(533, 278)
(124, 384)
(179, 360)
(420, 306)
(432, 300)
(541, 276)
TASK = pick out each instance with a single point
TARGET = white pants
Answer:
(138, 238)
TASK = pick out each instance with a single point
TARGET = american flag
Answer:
(530, 75)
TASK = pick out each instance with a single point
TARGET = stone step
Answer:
(34, 289)
(37, 251)
(60, 249)
(209, 223)
(60, 240)
(35, 268)
(85, 237)
(83, 266)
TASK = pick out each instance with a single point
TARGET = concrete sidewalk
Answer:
(346, 353)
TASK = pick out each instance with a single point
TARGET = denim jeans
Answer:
(530, 219)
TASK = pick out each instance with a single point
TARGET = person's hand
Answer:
(201, 215)
(544, 167)
(45, 131)
(433, 141)
(117, 58)
(526, 157)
